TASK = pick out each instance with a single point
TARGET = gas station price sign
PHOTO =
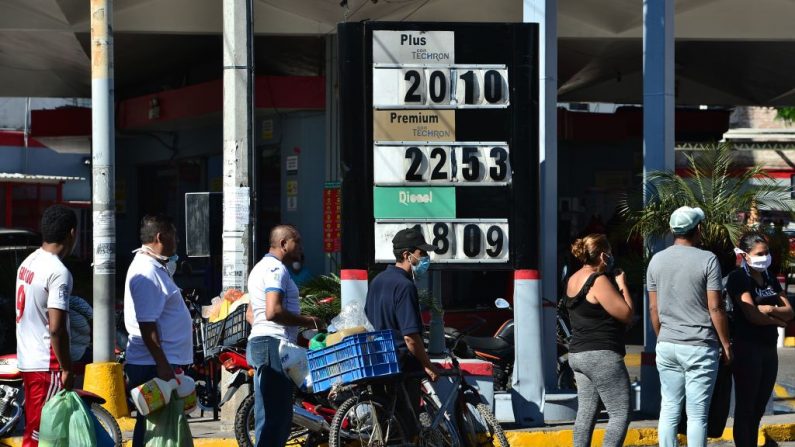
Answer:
(450, 143)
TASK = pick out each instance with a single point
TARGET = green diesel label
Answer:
(414, 202)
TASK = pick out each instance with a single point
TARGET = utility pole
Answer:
(102, 179)
(238, 140)
(238, 65)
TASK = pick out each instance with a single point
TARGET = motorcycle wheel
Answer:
(108, 422)
(244, 428)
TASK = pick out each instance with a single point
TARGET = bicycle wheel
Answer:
(368, 420)
(480, 427)
(443, 435)
(244, 428)
(108, 422)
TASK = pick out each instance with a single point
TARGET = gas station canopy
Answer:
(728, 52)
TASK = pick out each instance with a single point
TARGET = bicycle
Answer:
(372, 417)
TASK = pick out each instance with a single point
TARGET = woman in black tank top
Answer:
(599, 310)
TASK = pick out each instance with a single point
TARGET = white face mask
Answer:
(760, 263)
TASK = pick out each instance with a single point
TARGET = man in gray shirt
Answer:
(684, 284)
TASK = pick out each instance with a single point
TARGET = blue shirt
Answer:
(393, 303)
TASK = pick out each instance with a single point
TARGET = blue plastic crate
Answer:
(356, 357)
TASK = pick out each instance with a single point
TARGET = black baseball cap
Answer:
(411, 238)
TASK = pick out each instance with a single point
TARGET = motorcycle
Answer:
(499, 350)
(311, 414)
(12, 402)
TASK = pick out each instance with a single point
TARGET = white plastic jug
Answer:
(186, 391)
(153, 395)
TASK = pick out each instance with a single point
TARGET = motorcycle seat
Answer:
(491, 346)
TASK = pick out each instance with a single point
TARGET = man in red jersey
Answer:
(42, 303)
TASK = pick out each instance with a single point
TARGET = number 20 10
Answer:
(455, 86)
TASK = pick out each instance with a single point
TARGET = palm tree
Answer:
(713, 183)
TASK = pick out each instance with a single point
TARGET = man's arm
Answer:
(152, 341)
(416, 347)
(718, 315)
(653, 313)
(276, 312)
(59, 340)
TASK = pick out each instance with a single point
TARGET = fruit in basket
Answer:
(233, 295)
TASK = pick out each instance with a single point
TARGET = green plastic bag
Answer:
(168, 426)
(65, 421)
(318, 342)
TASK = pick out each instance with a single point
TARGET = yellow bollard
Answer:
(107, 380)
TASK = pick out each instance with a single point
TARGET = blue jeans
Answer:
(273, 393)
(138, 375)
(687, 373)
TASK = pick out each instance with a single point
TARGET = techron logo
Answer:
(406, 197)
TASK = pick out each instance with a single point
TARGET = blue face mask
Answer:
(422, 265)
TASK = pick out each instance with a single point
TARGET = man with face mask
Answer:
(275, 316)
(686, 310)
(393, 301)
(155, 314)
(42, 310)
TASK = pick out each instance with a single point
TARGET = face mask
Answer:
(171, 265)
(610, 263)
(760, 263)
(297, 266)
(422, 265)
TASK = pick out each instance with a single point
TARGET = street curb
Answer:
(638, 436)
(645, 436)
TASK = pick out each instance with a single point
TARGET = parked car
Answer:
(15, 246)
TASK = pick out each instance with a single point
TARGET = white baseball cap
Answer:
(685, 219)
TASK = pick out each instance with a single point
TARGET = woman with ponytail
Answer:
(599, 309)
(760, 305)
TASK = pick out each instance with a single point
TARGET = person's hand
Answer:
(765, 309)
(621, 278)
(67, 380)
(165, 372)
(431, 372)
(316, 323)
(727, 355)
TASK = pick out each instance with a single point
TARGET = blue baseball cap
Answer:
(685, 219)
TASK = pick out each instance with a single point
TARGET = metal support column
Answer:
(658, 150)
(102, 174)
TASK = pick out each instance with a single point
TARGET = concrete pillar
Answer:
(238, 140)
(658, 150)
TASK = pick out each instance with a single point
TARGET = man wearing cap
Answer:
(393, 301)
(684, 285)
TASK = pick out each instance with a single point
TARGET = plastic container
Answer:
(357, 357)
(186, 390)
(231, 331)
(153, 395)
(337, 337)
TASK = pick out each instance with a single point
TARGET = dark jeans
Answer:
(755, 369)
(273, 393)
(138, 375)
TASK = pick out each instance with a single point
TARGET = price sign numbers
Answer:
(441, 87)
(457, 241)
(428, 164)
